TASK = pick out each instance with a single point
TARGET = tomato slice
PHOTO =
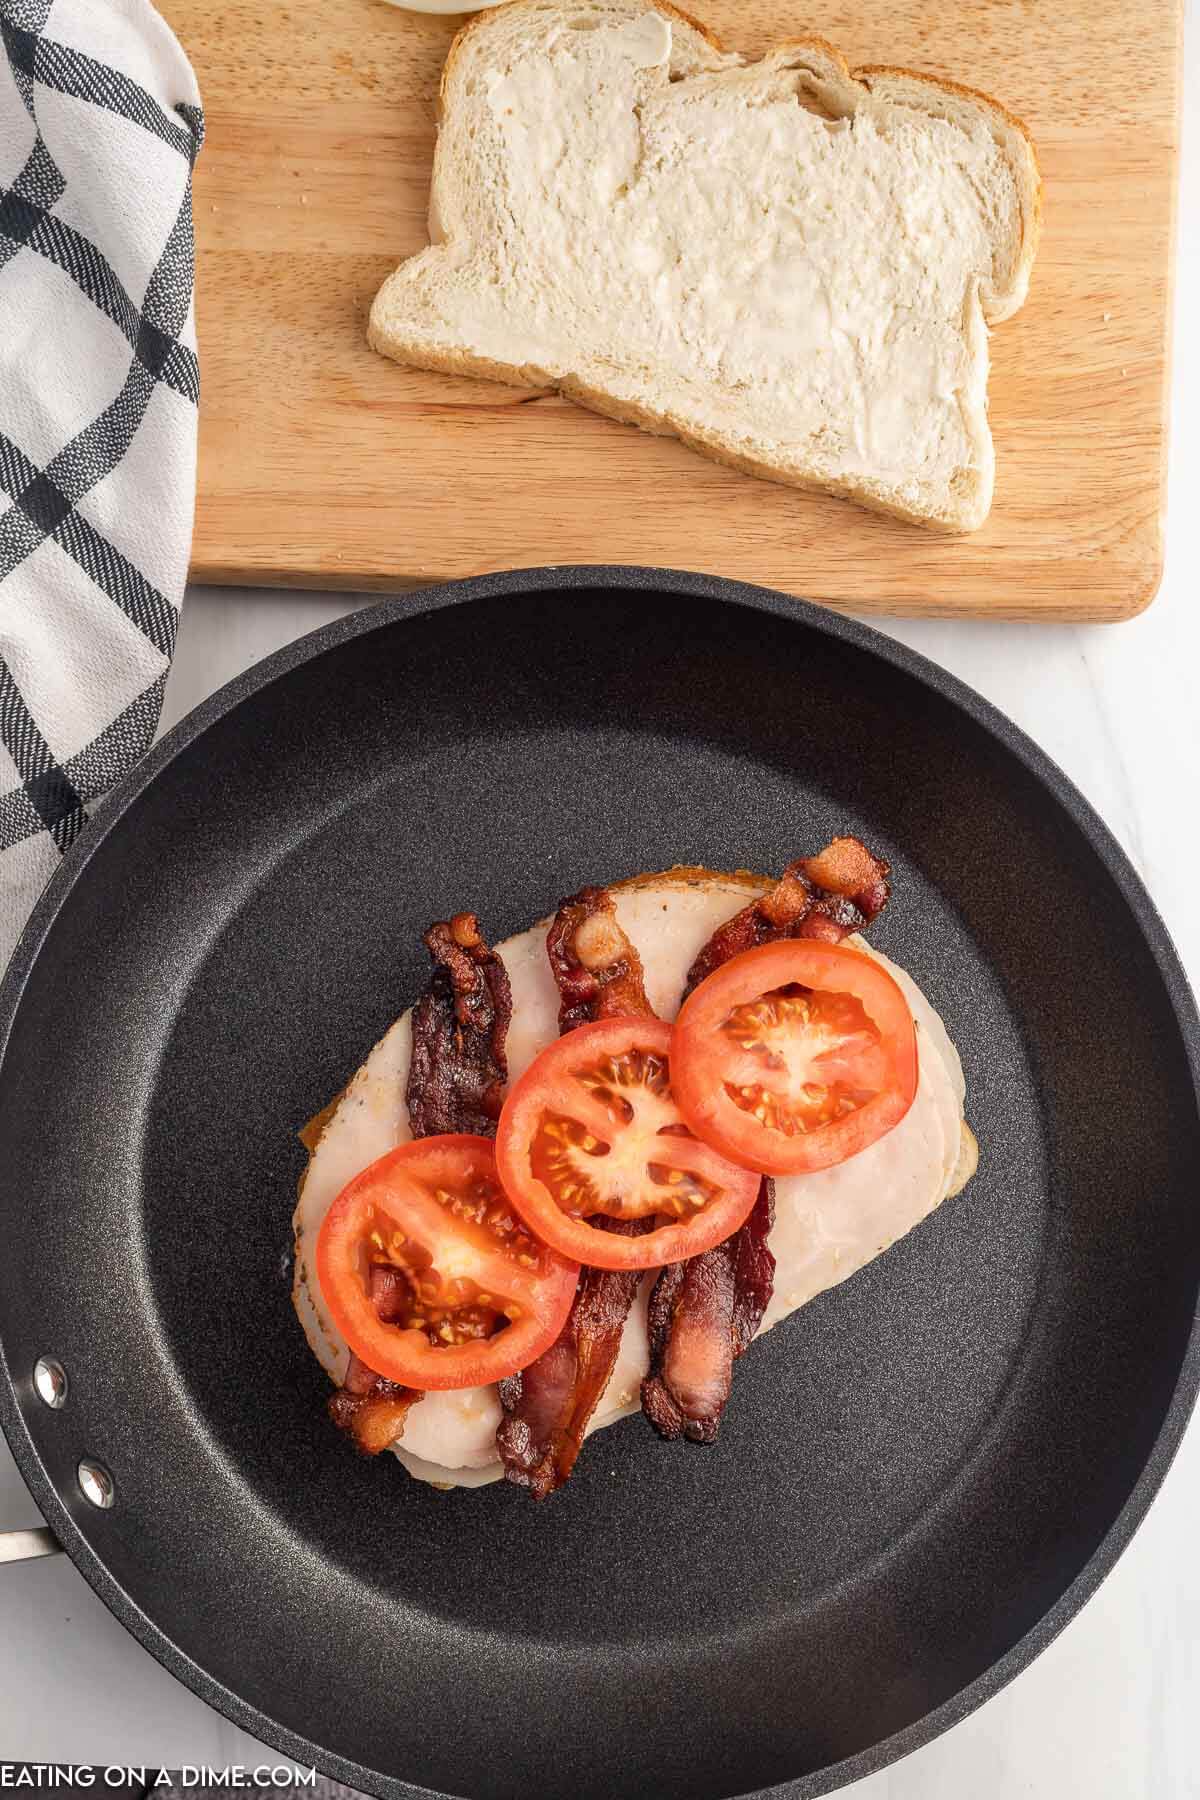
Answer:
(431, 1278)
(794, 1056)
(591, 1132)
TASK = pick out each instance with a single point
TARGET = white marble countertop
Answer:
(1107, 1713)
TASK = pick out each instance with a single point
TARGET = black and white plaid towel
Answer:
(100, 124)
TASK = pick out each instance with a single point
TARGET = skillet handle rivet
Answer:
(50, 1380)
(95, 1482)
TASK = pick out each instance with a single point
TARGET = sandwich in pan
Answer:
(591, 1165)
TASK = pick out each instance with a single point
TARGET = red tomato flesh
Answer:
(794, 1056)
(431, 1276)
(592, 1133)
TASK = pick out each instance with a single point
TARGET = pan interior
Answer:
(912, 1469)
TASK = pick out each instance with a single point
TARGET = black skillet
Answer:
(921, 1476)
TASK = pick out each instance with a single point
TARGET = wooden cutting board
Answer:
(322, 464)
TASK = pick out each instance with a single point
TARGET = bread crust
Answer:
(860, 76)
(488, 14)
(861, 491)
(1031, 226)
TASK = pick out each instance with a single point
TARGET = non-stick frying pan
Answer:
(920, 1477)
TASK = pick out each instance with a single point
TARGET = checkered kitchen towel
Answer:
(100, 124)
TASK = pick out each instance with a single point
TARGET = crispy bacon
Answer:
(753, 1269)
(598, 971)
(548, 1405)
(703, 1313)
(370, 1409)
(826, 896)
(691, 1347)
(847, 868)
(459, 1066)
(455, 1083)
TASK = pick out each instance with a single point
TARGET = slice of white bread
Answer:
(789, 267)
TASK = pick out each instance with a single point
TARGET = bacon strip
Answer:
(548, 1406)
(598, 971)
(703, 1314)
(846, 868)
(455, 1083)
(459, 1066)
(753, 1270)
(826, 896)
(370, 1409)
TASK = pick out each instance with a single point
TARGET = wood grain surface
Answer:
(323, 464)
